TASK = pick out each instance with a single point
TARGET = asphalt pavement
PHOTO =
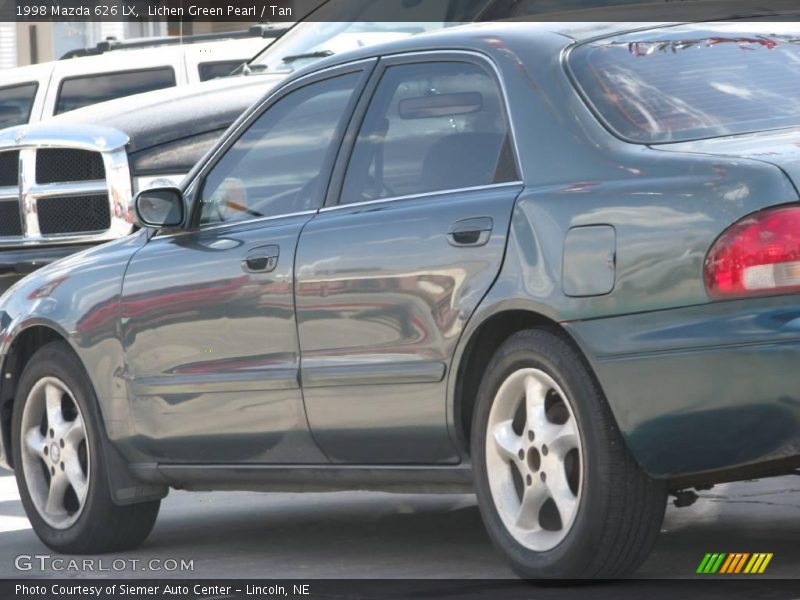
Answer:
(377, 535)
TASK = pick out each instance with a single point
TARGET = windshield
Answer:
(693, 82)
(338, 27)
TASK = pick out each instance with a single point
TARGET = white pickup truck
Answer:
(117, 69)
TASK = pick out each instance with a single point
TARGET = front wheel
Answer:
(558, 490)
(59, 466)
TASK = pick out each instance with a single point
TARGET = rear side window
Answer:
(16, 103)
(693, 82)
(430, 127)
(77, 92)
(214, 70)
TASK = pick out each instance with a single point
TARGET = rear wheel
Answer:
(59, 465)
(558, 490)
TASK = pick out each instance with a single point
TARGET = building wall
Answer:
(52, 40)
(34, 43)
(8, 45)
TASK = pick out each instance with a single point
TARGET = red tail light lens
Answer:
(758, 255)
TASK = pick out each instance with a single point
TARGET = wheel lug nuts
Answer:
(62, 466)
(544, 477)
(46, 450)
(521, 454)
(52, 470)
(52, 433)
(530, 436)
(61, 443)
(529, 480)
(544, 449)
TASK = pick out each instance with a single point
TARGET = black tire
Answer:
(620, 508)
(102, 526)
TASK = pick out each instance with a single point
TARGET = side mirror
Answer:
(160, 207)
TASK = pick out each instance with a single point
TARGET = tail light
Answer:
(758, 255)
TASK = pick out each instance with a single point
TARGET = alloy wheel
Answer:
(534, 459)
(55, 453)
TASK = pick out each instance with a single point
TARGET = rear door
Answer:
(390, 271)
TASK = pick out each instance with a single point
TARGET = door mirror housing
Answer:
(160, 207)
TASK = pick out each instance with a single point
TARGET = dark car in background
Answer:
(410, 269)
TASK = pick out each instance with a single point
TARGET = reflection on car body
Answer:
(407, 268)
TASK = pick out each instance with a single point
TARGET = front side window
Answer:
(16, 103)
(77, 92)
(430, 127)
(277, 166)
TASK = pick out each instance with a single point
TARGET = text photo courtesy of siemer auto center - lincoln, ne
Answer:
(400, 299)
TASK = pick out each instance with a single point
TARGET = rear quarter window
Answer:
(77, 92)
(16, 103)
(682, 84)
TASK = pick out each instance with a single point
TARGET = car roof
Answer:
(482, 37)
(139, 58)
(27, 74)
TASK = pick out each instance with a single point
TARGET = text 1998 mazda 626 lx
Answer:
(560, 264)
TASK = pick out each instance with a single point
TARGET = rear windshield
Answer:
(694, 82)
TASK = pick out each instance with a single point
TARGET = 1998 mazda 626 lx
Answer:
(558, 264)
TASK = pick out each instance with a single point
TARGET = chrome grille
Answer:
(63, 165)
(10, 221)
(9, 169)
(71, 184)
(73, 214)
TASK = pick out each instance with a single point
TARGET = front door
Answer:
(208, 313)
(387, 278)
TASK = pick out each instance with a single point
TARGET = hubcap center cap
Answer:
(55, 452)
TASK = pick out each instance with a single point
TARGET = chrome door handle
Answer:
(261, 260)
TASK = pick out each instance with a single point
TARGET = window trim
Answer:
(35, 85)
(463, 190)
(65, 80)
(197, 179)
(333, 199)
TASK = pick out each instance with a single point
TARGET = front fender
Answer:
(78, 299)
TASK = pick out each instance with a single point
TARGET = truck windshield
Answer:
(693, 82)
(340, 26)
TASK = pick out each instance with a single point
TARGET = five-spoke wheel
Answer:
(55, 453)
(558, 490)
(62, 472)
(533, 454)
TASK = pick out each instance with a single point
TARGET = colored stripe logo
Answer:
(734, 563)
